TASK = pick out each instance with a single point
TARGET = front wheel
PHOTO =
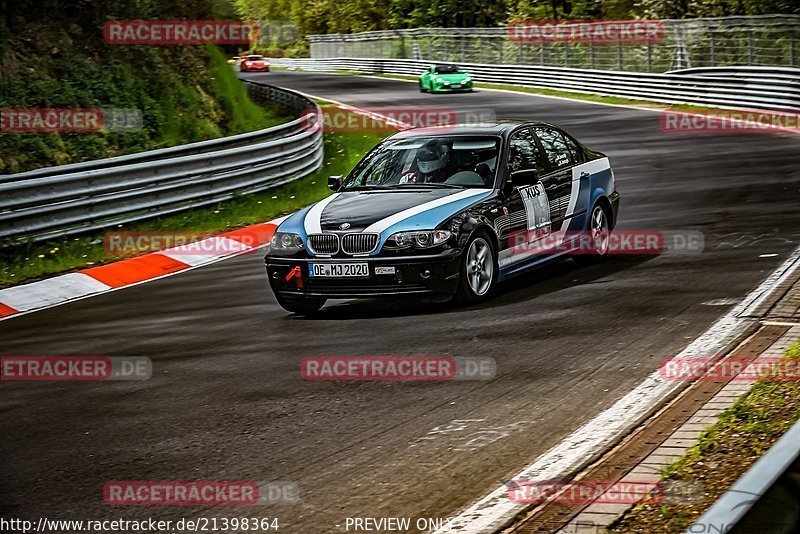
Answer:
(478, 270)
(301, 305)
(599, 238)
(422, 87)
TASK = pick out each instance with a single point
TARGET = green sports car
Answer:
(445, 78)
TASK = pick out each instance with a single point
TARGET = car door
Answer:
(526, 211)
(562, 155)
(426, 79)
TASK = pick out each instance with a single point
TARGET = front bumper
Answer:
(440, 88)
(435, 274)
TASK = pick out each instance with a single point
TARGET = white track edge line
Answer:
(495, 510)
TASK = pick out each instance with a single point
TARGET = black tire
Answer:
(599, 230)
(473, 285)
(301, 305)
(421, 88)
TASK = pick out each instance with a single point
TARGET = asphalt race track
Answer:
(227, 402)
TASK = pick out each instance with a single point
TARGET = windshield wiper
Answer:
(365, 187)
(448, 186)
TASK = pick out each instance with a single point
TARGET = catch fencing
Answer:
(769, 40)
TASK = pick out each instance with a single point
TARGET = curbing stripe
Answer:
(130, 271)
(50, 291)
(255, 235)
(206, 250)
(35, 296)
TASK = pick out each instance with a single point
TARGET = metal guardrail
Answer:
(71, 199)
(771, 40)
(766, 499)
(766, 88)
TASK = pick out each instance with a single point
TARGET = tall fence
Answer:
(770, 40)
(71, 199)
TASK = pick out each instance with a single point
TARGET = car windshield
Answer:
(447, 161)
(446, 69)
(255, 58)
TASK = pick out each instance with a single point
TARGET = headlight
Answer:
(285, 243)
(418, 239)
(468, 79)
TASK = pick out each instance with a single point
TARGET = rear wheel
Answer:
(599, 237)
(301, 305)
(478, 270)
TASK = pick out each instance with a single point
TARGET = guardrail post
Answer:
(566, 55)
(619, 55)
(712, 52)
(649, 55)
(591, 52)
(749, 47)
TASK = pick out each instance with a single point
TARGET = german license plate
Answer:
(338, 270)
(456, 86)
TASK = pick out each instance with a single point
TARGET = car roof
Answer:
(499, 127)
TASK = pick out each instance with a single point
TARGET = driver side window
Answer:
(523, 152)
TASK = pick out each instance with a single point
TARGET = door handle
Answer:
(584, 175)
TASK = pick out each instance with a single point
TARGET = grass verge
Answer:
(724, 453)
(34, 261)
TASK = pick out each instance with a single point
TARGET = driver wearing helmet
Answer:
(431, 165)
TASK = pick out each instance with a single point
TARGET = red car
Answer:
(254, 63)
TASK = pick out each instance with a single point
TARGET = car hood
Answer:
(455, 77)
(381, 211)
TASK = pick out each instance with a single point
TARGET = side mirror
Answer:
(334, 183)
(521, 178)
